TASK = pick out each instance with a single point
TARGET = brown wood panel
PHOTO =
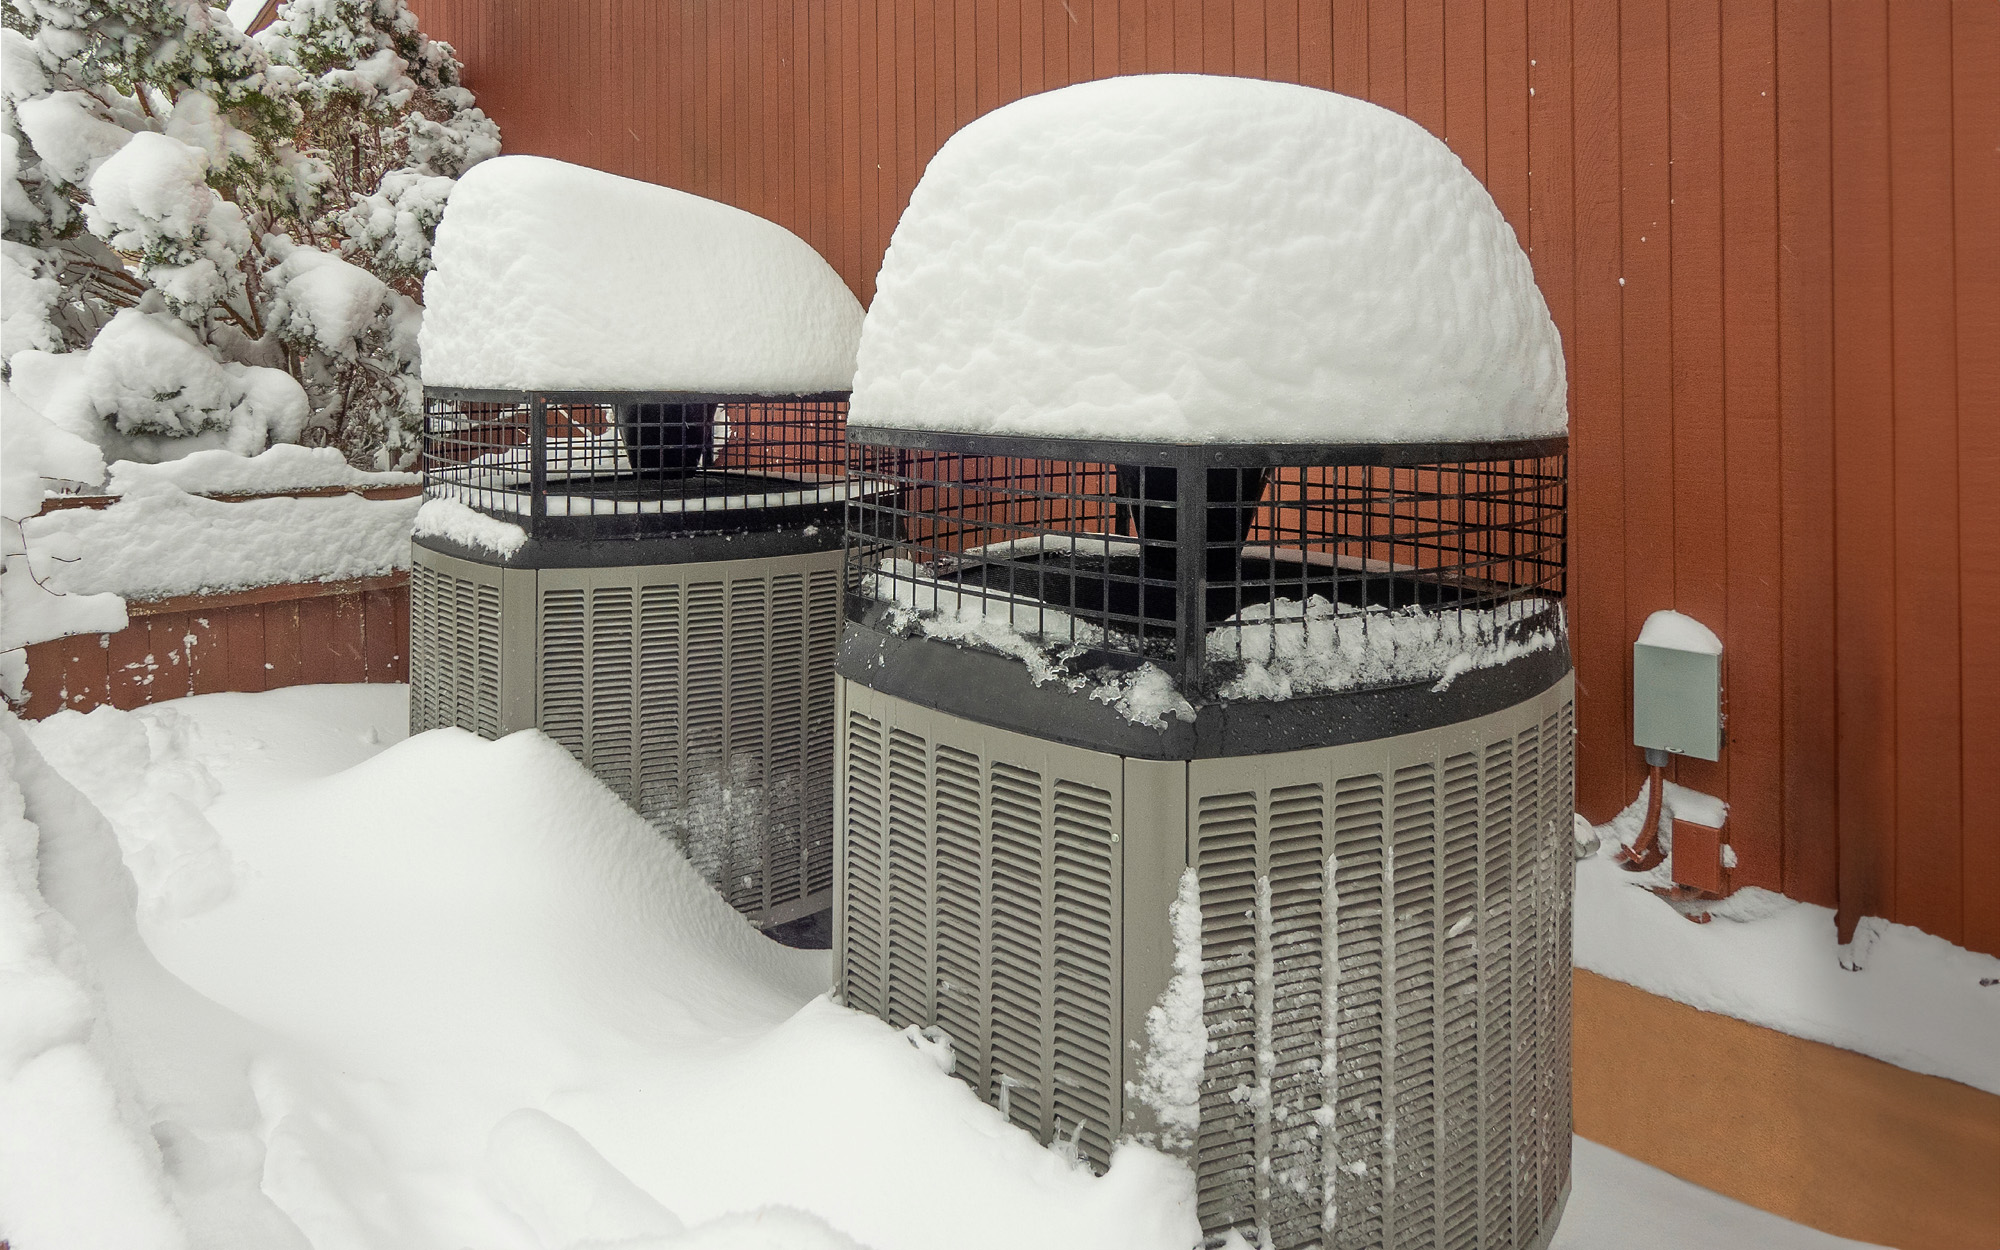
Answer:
(131, 666)
(1805, 477)
(1753, 548)
(243, 628)
(1646, 320)
(1700, 453)
(1597, 457)
(1464, 42)
(1975, 79)
(208, 655)
(1923, 348)
(1864, 461)
(348, 641)
(85, 660)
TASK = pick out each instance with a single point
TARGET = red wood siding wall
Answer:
(1766, 229)
(254, 640)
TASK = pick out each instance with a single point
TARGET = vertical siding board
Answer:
(1057, 24)
(1034, 49)
(1387, 83)
(923, 118)
(879, 218)
(1465, 82)
(1348, 32)
(1923, 348)
(1248, 57)
(906, 104)
(1158, 18)
(1750, 400)
(1424, 64)
(1187, 36)
(1507, 110)
(1316, 43)
(208, 670)
(858, 228)
(1864, 461)
(889, 203)
(1975, 80)
(349, 623)
(1597, 427)
(1218, 38)
(1694, 188)
(249, 669)
(965, 51)
(1282, 25)
(1805, 465)
(1647, 377)
(1009, 50)
(130, 665)
(1107, 38)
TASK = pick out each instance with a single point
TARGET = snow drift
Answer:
(1202, 259)
(552, 276)
(457, 993)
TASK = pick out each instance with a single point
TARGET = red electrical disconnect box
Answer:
(1698, 857)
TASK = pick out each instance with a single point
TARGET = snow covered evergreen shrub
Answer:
(246, 218)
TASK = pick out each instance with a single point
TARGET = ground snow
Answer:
(1918, 1002)
(1206, 259)
(459, 994)
(552, 276)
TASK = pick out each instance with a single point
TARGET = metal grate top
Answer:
(591, 464)
(1202, 558)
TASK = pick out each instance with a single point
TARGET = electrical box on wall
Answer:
(1677, 687)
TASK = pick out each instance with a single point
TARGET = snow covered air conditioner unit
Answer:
(1206, 768)
(635, 475)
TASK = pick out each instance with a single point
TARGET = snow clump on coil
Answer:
(1181, 258)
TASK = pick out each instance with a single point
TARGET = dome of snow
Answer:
(1180, 258)
(551, 276)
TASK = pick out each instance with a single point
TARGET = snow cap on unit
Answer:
(550, 276)
(1181, 258)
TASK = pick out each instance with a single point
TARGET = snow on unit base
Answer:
(1182, 258)
(550, 276)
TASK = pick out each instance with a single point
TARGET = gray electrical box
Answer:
(1677, 692)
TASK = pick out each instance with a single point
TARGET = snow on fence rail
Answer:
(231, 588)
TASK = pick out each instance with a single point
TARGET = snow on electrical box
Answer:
(1677, 687)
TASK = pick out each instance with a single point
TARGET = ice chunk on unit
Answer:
(550, 276)
(1200, 259)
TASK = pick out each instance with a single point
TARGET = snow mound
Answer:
(1199, 259)
(552, 276)
(1670, 629)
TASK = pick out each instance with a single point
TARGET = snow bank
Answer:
(162, 541)
(552, 276)
(464, 996)
(1204, 259)
(1917, 1002)
(284, 467)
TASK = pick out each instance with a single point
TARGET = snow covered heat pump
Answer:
(1205, 762)
(633, 458)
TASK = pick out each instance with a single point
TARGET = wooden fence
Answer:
(262, 639)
